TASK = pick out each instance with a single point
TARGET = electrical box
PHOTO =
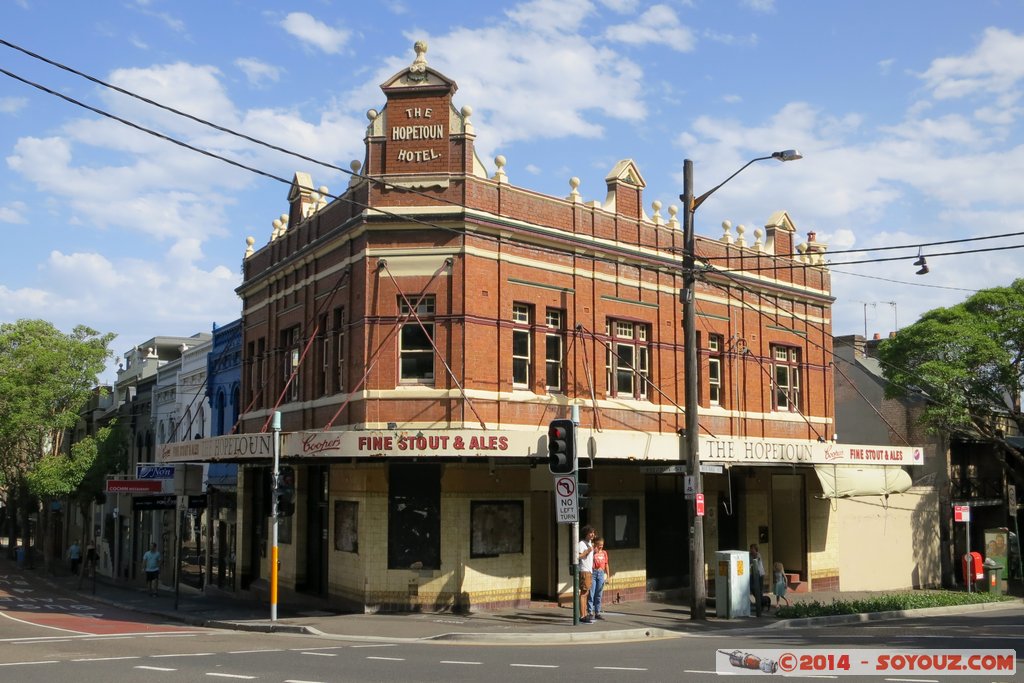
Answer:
(732, 584)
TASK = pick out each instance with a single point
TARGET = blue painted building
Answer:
(223, 387)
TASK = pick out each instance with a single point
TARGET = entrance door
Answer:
(668, 523)
(789, 527)
(543, 546)
(316, 529)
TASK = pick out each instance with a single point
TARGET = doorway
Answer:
(789, 525)
(317, 491)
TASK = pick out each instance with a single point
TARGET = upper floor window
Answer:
(627, 359)
(554, 349)
(339, 349)
(292, 347)
(715, 369)
(786, 378)
(521, 347)
(415, 346)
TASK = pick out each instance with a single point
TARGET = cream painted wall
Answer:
(889, 544)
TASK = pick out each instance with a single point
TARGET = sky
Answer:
(909, 116)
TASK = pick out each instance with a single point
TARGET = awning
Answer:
(845, 481)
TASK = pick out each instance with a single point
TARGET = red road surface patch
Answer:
(89, 624)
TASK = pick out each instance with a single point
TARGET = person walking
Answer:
(75, 556)
(756, 578)
(586, 569)
(779, 584)
(602, 572)
(151, 565)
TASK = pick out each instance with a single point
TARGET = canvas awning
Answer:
(845, 481)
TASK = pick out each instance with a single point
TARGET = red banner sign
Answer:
(134, 485)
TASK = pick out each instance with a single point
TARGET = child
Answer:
(780, 584)
(602, 572)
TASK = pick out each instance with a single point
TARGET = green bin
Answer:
(994, 579)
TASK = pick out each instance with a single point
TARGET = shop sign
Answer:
(230, 447)
(419, 443)
(134, 486)
(766, 451)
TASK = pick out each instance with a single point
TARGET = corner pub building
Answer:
(419, 332)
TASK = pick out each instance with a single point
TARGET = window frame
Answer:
(554, 364)
(785, 361)
(425, 311)
(715, 366)
(635, 337)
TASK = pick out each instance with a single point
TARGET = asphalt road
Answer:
(33, 650)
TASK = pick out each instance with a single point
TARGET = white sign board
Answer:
(689, 486)
(1011, 499)
(566, 504)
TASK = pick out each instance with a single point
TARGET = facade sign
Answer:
(961, 513)
(231, 447)
(420, 443)
(154, 471)
(134, 485)
(755, 451)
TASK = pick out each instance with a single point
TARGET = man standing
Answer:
(756, 578)
(151, 565)
(586, 554)
(75, 556)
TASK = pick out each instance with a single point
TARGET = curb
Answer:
(864, 617)
(557, 638)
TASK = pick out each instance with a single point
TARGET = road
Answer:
(46, 639)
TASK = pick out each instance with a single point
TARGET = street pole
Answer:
(574, 556)
(698, 595)
(276, 426)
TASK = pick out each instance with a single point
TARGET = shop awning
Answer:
(845, 481)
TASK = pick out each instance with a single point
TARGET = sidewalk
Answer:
(540, 623)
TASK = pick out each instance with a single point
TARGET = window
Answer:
(554, 345)
(339, 349)
(495, 527)
(346, 526)
(627, 359)
(323, 340)
(290, 344)
(786, 378)
(414, 516)
(416, 353)
(521, 345)
(621, 523)
(715, 369)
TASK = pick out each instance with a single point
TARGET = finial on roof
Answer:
(574, 196)
(499, 175)
(656, 219)
(249, 241)
(419, 64)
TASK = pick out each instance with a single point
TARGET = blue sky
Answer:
(908, 115)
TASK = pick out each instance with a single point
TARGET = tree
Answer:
(46, 377)
(968, 362)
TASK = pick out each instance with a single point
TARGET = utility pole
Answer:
(691, 446)
(273, 514)
(698, 594)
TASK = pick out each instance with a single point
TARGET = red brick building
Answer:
(419, 331)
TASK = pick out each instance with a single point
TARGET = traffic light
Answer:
(582, 495)
(285, 492)
(562, 447)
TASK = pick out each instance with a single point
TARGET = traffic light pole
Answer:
(574, 566)
(276, 425)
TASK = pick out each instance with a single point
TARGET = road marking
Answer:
(47, 661)
(91, 639)
(249, 652)
(320, 654)
(248, 678)
(454, 661)
(310, 649)
(698, 671)
(31, 623)
(914, 680)
(102, 659)
(618, 668)
(354, 647)
(536, 666)
(173, 635)
(295, 680)
(186, 654)
(389, 659)
(154, 668)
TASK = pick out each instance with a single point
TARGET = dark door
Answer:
(316, 529)
(668, 523)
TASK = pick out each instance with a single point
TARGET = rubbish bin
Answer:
(993, 578)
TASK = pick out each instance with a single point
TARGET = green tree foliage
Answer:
(46, 377)
(968, 362)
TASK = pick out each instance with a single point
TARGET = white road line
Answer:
(47, 661)
(455, 661)
(913, 680)
(185, 654)
(536, 666)
(295, 680)
(389, 659)
(356, 647)
(248, 678)
(310, 649)
(174, 635)
(618, 668)
(154, 668)
(698, 671)
(101, 638)
(102, 659)
(320, 654)
(249, 652)
(22, 621)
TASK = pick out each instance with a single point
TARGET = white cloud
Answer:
(730, 39)
(257, 71)
(551, 16)
(765, 6)
(315, 33)
(995, 66)
(13, 213)
(659, 25)
(732, 99)
(885, 66)
(12, 105)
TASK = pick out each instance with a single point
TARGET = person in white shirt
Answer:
(586, 568)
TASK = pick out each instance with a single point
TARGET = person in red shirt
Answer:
(602, 572)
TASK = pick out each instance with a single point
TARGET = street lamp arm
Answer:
(700, 200)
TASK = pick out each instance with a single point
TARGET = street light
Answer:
(698, 597)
